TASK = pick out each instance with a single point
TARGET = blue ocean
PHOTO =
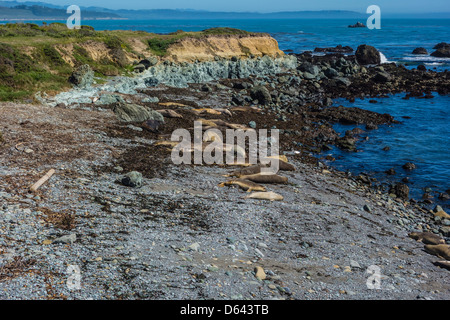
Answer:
(423, 135)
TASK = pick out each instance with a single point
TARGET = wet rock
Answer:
(82, 77)
(331, 73)
(421, 67)
(357, 25)
(366, 54)
(441, 45)
(420, 51)
(444, 196)
(442, 53)
(310, 68)
(347, 143)
(401, 190)
(391, 172)
(382, 77)
(371, 126)
(261, 94)
(132, 179)
(338, 48)
(409, 166)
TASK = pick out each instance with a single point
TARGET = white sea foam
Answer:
(383, 58)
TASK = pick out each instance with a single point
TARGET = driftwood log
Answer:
(41, 181)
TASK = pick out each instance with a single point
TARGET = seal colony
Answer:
(141, 227)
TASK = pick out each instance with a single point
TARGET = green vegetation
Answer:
(41, 58)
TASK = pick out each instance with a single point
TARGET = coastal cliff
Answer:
(207, 49)
(41, 58)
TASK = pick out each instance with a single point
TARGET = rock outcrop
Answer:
(366, 54)
(82, 77)
(226, 47)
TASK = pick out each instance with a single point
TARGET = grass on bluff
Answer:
(43, 68)
(31, 60)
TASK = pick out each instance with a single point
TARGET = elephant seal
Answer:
(427, 238)
(246, 171)
(271, 196)
(266, 178)
(246, 185)
(443, 264)
(441, 250)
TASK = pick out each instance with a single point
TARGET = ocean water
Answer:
(422, 139)
(396, 39)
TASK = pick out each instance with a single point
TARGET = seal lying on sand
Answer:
(272, 196)
(284, 166)
(246, 185)
(443, 264)
(167, 113)
(427, 238)
(266, 178)
(440, 250)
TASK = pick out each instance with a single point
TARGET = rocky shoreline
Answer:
(175, 234)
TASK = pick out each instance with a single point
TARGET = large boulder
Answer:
(82, 77)
(129, 112)
(401, 190)
(261, 94)
(420, 51)
(442, 53)
(441, 45)
(366, 54)
(357, 25)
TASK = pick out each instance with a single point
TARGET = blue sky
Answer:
(388, 6)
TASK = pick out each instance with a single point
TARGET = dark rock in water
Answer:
(420, 51)
(406, 180)
(132, 179)
(409, 166)
(128, 112)
(442, 53)
(347, 143)
(391, 172)
(444, 196)
(338, 49)
(441, 45)
(386, 148)
(371, 126)
(357, 25)
(427, 196)
(366, 54)
(261, 94)
(82, 77)
(421, 67)
(401, 190)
